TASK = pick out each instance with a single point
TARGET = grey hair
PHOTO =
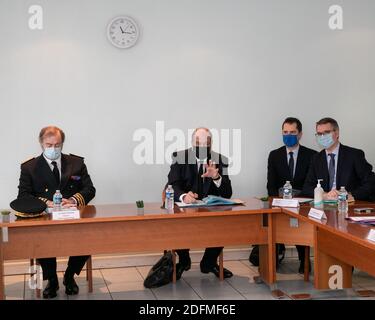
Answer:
(201, 128)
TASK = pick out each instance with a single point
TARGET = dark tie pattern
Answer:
(291, 164)
(200, 181)
(331, 170)
(56, 172)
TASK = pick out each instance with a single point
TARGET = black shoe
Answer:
(180, 268)
(301, 269)
(50, 291)
(216, 271)
(281, 256)
(71, 287)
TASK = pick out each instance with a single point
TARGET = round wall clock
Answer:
(123, 32)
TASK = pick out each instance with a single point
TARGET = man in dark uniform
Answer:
(291, 163)
(196, 173)
(41, 177)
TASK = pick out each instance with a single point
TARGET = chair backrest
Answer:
(163, 194)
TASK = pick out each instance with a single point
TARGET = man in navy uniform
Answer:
(40, 178)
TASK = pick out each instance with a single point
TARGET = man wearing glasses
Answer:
(339, 166)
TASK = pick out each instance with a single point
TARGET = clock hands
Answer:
(122, 31)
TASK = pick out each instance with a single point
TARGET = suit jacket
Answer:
(37, 180)
(278, 170)
(353, 172)
(183, 175)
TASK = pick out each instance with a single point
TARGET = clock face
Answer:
(123, 32)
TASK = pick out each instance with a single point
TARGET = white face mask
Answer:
(52, 153)
(325, 141)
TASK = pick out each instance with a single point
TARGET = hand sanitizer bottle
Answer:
(318, 194)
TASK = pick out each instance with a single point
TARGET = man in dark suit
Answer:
(196, 173)
(338, 165)
(41, 177)
(291, 163)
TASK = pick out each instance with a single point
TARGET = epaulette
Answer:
(74, 155)
(27, 160)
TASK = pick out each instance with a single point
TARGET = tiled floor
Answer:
(127, 283)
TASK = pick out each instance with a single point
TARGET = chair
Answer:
(34, 262)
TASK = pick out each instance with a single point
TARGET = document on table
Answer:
(362, 219)
(211, 201)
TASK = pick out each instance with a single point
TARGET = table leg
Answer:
(89, 273)
(307, 264)
(174, 279)
(267, 256)
(2, 287)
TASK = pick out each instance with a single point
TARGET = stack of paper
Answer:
(370, 220)
(211, 201)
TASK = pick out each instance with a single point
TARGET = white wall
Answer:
(219, 63)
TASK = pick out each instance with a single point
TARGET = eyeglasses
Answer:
(320, 134)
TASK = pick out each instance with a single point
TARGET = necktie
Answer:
(56, 172)
(291, 164)
(200, 180)
(331, 170)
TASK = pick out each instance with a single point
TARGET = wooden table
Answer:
(108, 229)
(336, 241)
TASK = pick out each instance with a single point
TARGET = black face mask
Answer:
(202, 152)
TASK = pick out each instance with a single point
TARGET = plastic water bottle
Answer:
(287, 191)
(342, 200)
(169, 198)
(57, 200)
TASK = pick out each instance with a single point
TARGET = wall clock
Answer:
(123, 32)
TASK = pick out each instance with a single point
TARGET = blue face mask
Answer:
(290, 140)
(52, 153)
(325, 141)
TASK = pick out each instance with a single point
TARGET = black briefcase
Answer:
(161, 273)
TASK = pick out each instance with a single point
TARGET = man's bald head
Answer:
(202, 137)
